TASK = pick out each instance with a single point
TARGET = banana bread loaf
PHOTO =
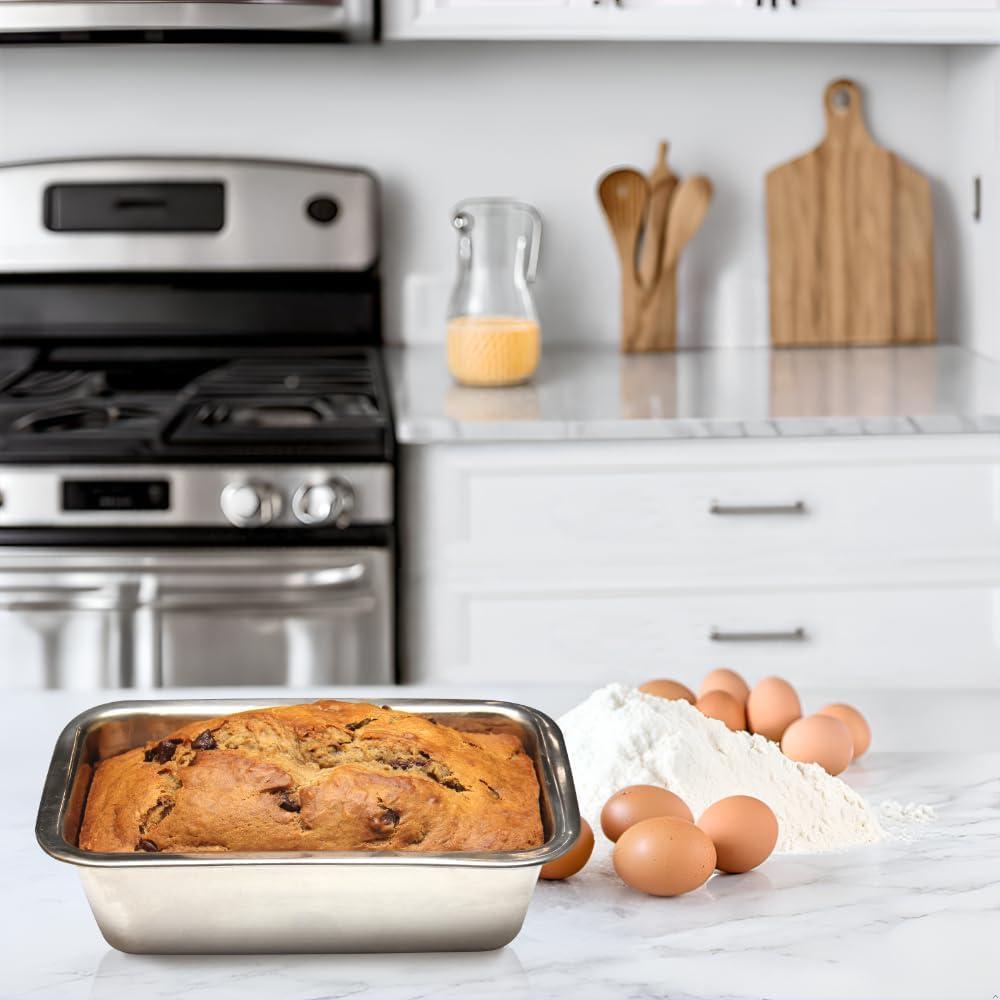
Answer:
(327, 776)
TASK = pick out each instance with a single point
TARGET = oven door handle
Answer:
(31, 597)
(290, 589)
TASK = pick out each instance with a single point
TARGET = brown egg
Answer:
(728, 681)
(819, 739)
(723, 706)
(671, 690)
(861, 734)
(638, 802)
(664, 856)
(574, 859)
(772, 706)
(744, 831)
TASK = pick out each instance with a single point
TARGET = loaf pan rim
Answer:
(555, 788)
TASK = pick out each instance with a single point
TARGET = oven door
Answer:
(198, 617)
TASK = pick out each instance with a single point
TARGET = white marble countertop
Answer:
(901, 919)
(593, 393)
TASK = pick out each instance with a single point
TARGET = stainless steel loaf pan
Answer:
(356, 901)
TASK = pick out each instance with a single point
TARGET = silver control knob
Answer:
(329, 502)
(250, 504)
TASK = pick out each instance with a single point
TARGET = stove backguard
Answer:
(202, 250)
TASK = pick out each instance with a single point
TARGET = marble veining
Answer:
(590, 393)
(917, 918)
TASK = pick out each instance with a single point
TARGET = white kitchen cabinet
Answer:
(595, 561)
(601, 628)
(716, 509)
(900, 21)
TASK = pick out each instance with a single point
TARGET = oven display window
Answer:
(115, 494)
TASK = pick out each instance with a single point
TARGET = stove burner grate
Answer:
(86, 401)
(72, 418)
(267, 416)
(242, 416)
(59, 382)
(316, 377)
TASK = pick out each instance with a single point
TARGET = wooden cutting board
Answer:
(851, 242)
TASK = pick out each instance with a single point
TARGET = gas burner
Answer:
(71, 418)
(352, 423)
(59, 382)
(264, 416)
(279, 414)
(272, 415)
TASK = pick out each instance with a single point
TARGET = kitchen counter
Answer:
(591, 393)
(916, 918)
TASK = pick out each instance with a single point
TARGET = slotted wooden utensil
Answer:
(850, 238)
(624, 195)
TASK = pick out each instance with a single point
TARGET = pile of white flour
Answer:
(620, 737)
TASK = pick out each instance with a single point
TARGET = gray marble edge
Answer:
(438, 430)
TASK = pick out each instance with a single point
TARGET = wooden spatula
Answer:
(624, 195)
(662, 183)
(850, 234)
(687, 212)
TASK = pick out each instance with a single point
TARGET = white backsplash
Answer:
(440, 122)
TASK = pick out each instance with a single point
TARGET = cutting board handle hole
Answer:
(841, 100)
(842, 97)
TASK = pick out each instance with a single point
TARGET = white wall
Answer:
(440, 122)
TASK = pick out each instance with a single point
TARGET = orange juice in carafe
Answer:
(493, 350)
(493, 331)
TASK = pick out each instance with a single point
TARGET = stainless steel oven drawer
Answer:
(151, 20)
(295, 617)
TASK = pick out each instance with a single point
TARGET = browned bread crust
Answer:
(327, 776)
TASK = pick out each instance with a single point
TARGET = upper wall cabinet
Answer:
(948, 22)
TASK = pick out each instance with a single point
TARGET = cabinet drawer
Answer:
(923, 636)
(580, 505)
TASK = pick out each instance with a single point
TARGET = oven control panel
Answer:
(301, 497)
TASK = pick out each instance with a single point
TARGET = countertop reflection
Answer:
(594, 393)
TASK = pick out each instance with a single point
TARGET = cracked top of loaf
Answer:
(326, 776)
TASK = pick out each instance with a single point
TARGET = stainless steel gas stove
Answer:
(196, 449)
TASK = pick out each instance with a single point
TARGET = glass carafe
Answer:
(493, 332)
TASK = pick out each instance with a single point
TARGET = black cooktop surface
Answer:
(114, 403)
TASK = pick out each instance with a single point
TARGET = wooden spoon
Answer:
(687, 210)
(624, 195)
(662, 182)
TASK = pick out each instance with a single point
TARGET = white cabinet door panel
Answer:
(914, 637)
(582, 508)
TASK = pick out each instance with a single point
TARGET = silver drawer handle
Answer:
(287, 590)
(290, 583)
(794, 635)
(752, 510)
